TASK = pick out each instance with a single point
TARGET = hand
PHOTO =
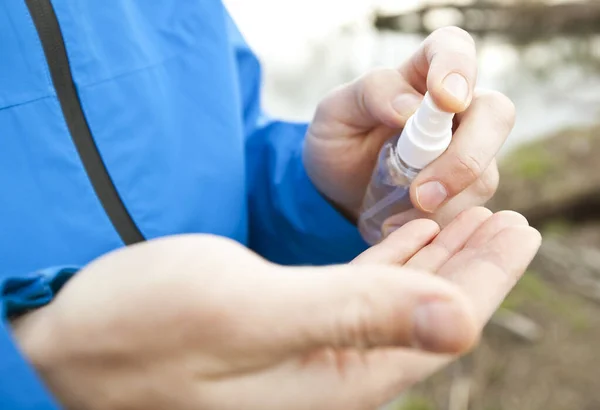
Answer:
(483, 254)
(197, 322)
(352, 123)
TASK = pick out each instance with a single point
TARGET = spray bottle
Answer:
(425, 137)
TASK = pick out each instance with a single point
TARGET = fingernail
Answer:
(406, 104)
(431, 195)
(457, 86)
(440, 326)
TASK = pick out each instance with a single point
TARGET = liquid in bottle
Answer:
(425, 137)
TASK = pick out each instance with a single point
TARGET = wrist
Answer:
(32, 333)
(313, 170)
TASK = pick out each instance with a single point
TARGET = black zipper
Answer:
(50, 35)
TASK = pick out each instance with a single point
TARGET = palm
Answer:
(498, 245)
(481, 253)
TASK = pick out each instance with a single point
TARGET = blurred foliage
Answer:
(414, 402)
(556, 228)
(530, 162)
(533, 291)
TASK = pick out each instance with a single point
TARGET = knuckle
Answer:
(213, 244)
(489, 182)
(376, 78)
(374, 92)
(479, 213)
(454, 32)
(467, 169)
(503, 108)
(374, 81)
(356, 323)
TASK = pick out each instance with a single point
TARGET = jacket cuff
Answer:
(325, 221)
(20, 386)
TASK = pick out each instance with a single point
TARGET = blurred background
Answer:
(542, 349)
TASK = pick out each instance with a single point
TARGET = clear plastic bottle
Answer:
(425, 137)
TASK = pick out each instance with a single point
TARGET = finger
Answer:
(449, 241)
(446, 66)
(492, 270)
(386, 97)
(381, 97)
(366, 306)
(401, 244)
(396, 221)
(477, 140)
(475, 195)
(486, 277)
(495, 224)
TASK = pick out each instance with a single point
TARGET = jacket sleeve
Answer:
(20, 387)
(290, 221)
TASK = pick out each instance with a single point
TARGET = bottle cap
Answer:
(426, 136)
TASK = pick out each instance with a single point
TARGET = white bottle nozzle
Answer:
(426, 135)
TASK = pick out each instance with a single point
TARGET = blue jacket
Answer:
(126, 120)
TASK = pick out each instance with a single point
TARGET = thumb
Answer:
(369, 306)
(446, 66)
(381, 96)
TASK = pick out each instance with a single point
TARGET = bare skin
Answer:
(200, 322)
(352, 123)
